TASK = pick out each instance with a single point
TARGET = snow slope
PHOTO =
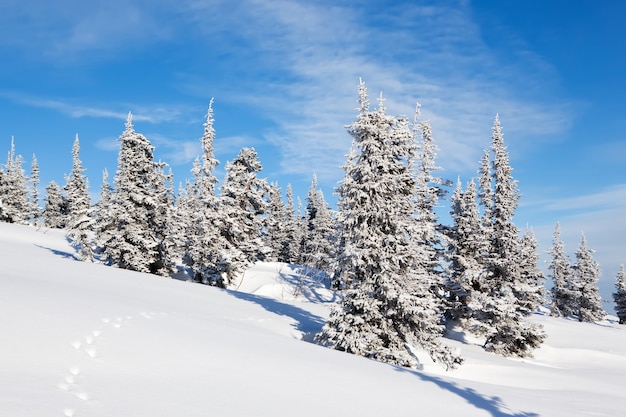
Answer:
(81, 339)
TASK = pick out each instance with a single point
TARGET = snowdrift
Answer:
(80, 339)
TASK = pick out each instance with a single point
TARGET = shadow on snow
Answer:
(307, 323)
(493, 405)
(63, 254)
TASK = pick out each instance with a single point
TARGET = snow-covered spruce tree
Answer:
(181, 215)
(203, 247)
(529, 289)
(586, 273)
(467, 246)
(55, 210)
(34, 192)
(133, 243)
(243, 203)
(429, 189)
(619, 296)
(104, 221)
(563, 295)
(80, 217)
(318, 242)
(289, 250)
(387, 310)
(276, 221)
(15, 206)
(162, 219)
(501, 302)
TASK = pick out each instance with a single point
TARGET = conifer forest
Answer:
(403, 278)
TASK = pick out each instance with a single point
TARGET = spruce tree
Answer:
(55, 209)
(318, 242)
(104, 221)
(467, 246)
(243, 203)
(529, 287)
(289, 251)
(563, 295)
(34, 192)
(204, 242)
(586, 273)
(619, 296)
(501, 301)
(15, 206)
(386, 312)
(134, 242)
(80, 221)
(275, 230)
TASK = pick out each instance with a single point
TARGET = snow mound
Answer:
(82, 339)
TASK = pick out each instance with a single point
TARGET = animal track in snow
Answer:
(71, 382)
(82, 396)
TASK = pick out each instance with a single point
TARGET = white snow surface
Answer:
(80, 339)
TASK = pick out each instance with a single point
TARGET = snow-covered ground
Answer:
(79, 339)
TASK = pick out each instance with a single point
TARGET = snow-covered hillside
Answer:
(80, 339)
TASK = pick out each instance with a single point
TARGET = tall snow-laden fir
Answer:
(15, 206)
(289, 251)
(55, 209)
(529, 288)
(199, 205)
(318, 242)
(134, 242)
(104, 221)
(243, 203)
(502, 301)
(34, 191)
(586, 273)
(467, 246)
(275, 232)
(80, 218)
(386, 313)
(563, 294)
(619, 296)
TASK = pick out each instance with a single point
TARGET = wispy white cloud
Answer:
(321, 51)
(62, 32)
(141, 113)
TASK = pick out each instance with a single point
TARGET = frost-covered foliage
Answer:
(102, 210)
(467, 246)
(275, 232)
(291, 232)
(424, 230)
(15, 205)
(387, 309)
(134, 242)
(243, 203)
(586, 273)
(198, 209)
(619, 296)
(34, 191)
(508, 287)
(80, 217)
(55, 210)
(318, 242)
(564, 297)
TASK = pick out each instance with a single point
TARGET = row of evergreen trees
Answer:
(405, 277)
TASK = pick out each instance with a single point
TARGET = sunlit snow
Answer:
(80, 339)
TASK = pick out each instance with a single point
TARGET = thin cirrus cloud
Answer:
(323, 51)
(67, 32)
(142, 113)
(308, 59)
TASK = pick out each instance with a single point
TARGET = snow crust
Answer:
(80, 339)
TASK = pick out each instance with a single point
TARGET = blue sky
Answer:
(284, 75)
